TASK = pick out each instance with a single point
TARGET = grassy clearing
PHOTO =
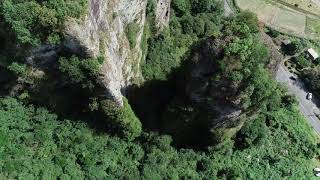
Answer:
(313, 27)
(290, 21)
(307, 5)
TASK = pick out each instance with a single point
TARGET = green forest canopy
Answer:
(36, 143)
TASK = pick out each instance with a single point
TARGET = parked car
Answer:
(316, 172)
(309, 96)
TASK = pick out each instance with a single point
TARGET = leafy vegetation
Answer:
(126, 122)
(227, 70)
(18, 69)
(37, 144)
(312, 79)
(95, 138)
(294, 47)
(132, 31)
(44, 19)
(188, 23)
(80, 71)
(302, 61)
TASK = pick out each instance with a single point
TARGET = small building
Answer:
(313, 54)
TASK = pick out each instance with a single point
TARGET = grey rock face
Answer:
(102, 33)
(43, 57)
(162, 13)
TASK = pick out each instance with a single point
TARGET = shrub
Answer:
(201, 6)
(132, 30)
(18, 69)
(252, 133)
(302, 62)
(35, 22)
(181, 7)
(272, 33)
(293, 48)
(80, 71)
(123, 118)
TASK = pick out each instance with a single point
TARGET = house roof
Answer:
(313, 53)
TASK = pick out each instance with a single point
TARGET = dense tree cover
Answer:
(80, 71)
(35, 22)
(276, 143)
(126, 122)
(229, 71)
(244, 61)
(293, 47)
(36, 144)
(190, 20)
(311, 77)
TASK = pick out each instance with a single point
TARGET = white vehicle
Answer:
(316, 172)
(309, 96)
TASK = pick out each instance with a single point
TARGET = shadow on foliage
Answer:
(153, 101)
(150, 101)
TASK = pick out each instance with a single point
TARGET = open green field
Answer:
(284, 17)
(312, 6)
(313, 26)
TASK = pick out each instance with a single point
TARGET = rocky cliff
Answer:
(204, 107)
(102, 32)
(163, 13)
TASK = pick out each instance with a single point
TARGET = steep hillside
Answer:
(144, 89)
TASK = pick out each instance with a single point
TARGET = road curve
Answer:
(308, 108)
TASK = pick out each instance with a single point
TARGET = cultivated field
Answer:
(312, 6)
(286, 17)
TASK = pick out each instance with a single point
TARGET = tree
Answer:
(80, 71)
(44, 21)
(312, 78)
(250, 19)
(200, 6)
(253, 133)
(19, 70)
(293, 48)
(126, 122)
(181, 7)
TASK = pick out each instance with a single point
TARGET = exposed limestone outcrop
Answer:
(162, 13)
(102, 32)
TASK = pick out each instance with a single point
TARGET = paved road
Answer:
(307, 108)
